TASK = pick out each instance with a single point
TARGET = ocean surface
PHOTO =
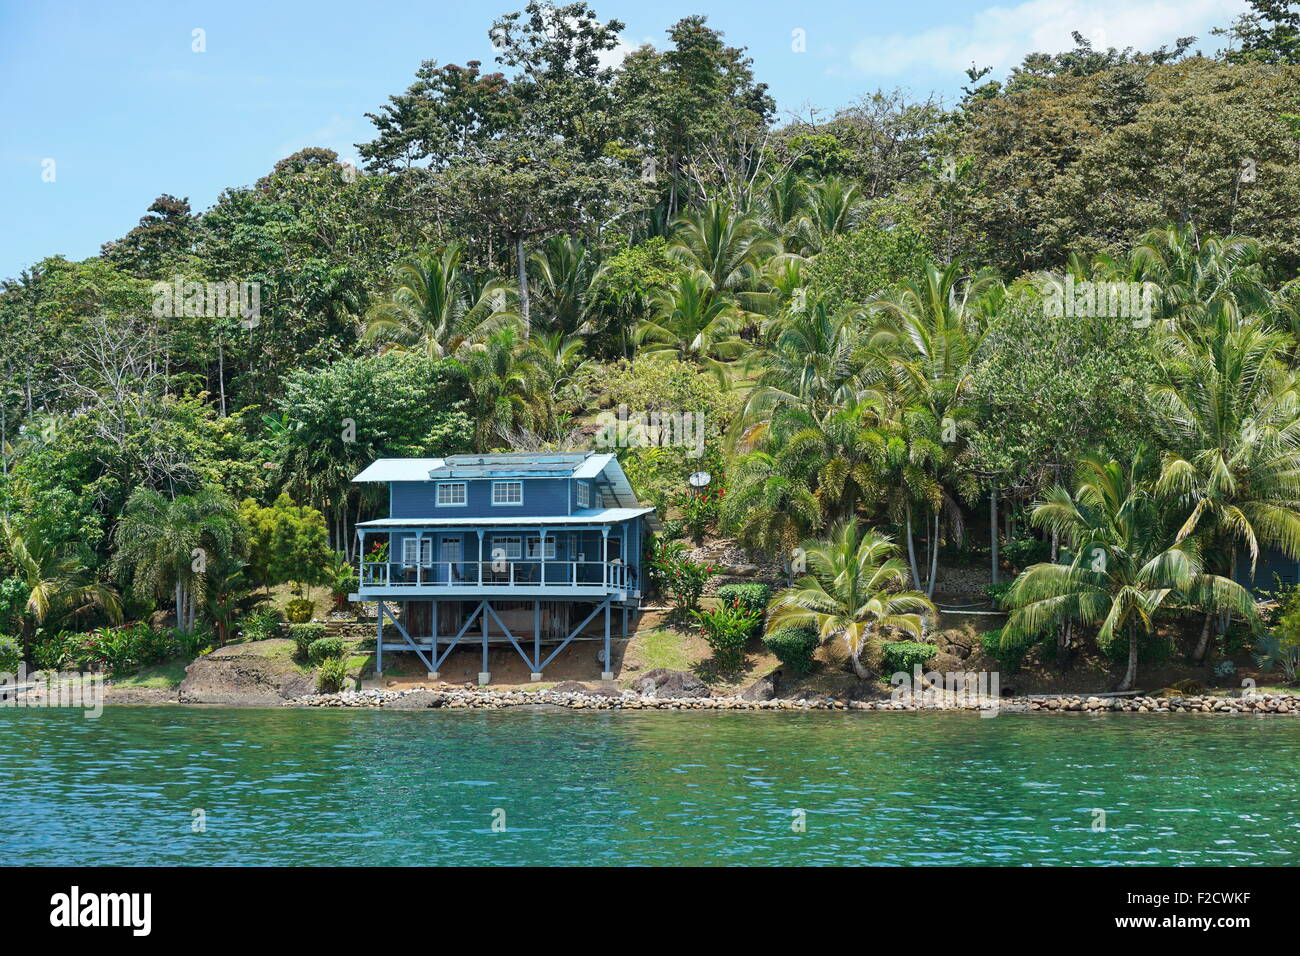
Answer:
(225, 786)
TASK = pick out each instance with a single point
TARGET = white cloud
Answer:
(336, 133)
(1000, 36)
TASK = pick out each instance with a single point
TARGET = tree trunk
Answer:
(1064, 632)
(859, 669)
(993, 531)
(522, 266)
(1203, 643)
(180, 605)
(1130, 675)
(911, 551)
(934, 558)
(221, 374)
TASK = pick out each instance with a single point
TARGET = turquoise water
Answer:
(342, 787)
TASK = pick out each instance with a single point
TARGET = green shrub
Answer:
(323, 649)
(793, 646)
(905, 655)
(50, 652)
(752, 596)
(303, 636)
(997, 593)
(332, 675)
(1009, 654)
(1023, 552)
(677, 576)
(299, 610)
(11, 655)
(727, 628)
(260, 625)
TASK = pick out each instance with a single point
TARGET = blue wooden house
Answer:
(530, 550)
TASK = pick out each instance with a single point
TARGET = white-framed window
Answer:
(534, 550)
(507, 492)
(508, 546)
(600, 500)
(584, 495)
(451, 494)
(449, 549)
(417, 547)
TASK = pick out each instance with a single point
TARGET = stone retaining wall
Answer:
(458, 698)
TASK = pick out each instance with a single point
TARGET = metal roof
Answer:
(399, 469)
(585, 516)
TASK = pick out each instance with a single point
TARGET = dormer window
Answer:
(584, 495)
(507, 492)
(451, 494)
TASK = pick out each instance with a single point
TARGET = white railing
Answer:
(523, 574)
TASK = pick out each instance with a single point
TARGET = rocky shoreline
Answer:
(478, 699)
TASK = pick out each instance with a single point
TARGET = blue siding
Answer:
(542, 497)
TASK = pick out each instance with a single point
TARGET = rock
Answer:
(415, 700)
(762, 689)
(230, 675)
(664, 684)
(570, 687)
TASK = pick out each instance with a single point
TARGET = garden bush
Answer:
(11, 655)
(303, 636)
(905, 655)
(793, 646)
(751, 596)
(323, 649)
(332, 675)
(1009, 655)
(677, 576)
(260, 625)
(727, 628)
(299, 610)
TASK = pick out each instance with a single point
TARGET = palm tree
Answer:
(565, 273)
(165, 544)
(59, 580)
(1126, 563)
(693, 324)
(929, 333)
(729, 248)
(504, 387)
(853, 594)
(436, 308)
(1229, 416)
(769, 504)
(1200, 277)
(830, 209)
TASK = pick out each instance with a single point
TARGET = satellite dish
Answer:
(699, 479)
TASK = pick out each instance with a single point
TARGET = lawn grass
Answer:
(663, 647)
(166, 675)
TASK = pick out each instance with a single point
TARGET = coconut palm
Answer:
(1228, 414)
(565, 273)
(727, 247)
(59, 581)
(165, 544)
(693, 324)
(1200, 277)
(1127, 564)
(830, 209)
(436, 308)
(853, 593)
(505, 390)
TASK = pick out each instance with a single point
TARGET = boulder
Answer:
(664, 684)
(571, 687)
(762, 689)
(416, 700)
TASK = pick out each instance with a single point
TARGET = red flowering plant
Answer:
(677, 576)
(700, 509)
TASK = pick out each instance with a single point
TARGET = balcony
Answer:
(536, 577)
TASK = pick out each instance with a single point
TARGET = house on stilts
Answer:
(529, 551)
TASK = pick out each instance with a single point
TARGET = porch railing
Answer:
(523, 574)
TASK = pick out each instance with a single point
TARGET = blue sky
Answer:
(116, 97)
